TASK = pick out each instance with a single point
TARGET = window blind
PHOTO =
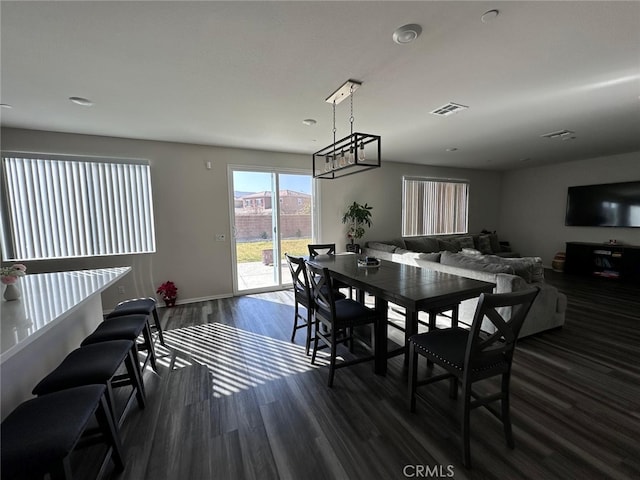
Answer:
(434, 206)
(57, 208)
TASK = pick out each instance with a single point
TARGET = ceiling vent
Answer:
(561, 134)
(448, 109)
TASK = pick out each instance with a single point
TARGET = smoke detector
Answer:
(407, 33)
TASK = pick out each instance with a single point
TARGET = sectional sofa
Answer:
(487, 260)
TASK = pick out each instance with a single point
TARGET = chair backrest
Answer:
(322, 249)
(299, 276)
(484, 349)
(322, 291)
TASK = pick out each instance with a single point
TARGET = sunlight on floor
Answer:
(236, 359)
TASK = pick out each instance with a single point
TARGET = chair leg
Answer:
(133, 369)
(466, 442)
(156, 320)
(151, 353)
(413, 376)
(334, 352)
(315, 343)
(296, 313)
(109, 431)
(309, 332)
(506, 415)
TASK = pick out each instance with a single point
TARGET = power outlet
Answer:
(220, 237)
(121, 290)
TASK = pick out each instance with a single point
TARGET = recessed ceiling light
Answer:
(490, 15)
(309, 121)
(406, 33)
(81, 101)
(5, 105)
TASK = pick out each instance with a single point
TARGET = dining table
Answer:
(416, 289)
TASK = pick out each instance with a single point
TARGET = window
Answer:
(434, 206)
(61, 208)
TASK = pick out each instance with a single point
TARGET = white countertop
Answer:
(46, 299)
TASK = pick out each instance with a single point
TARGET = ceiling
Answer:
(245, 74)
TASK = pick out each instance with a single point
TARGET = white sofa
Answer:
(509, 275)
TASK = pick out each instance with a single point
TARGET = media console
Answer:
(603, 260)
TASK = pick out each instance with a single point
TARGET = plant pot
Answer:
(353, 247)
(11, 292)
(169, 302)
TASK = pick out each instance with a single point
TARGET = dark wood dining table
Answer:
(414, 288)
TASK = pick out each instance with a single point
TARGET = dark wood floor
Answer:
(236, 400)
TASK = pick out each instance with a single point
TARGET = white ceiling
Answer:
(245, 74)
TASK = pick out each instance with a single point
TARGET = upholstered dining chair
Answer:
(302, 297)
(339, 317)
(468, 356)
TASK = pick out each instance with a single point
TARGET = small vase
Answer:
(11, 292)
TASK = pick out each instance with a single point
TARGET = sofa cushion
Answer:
(383, 247)
(471, 251)
(444, 245)
(484, 244)
(529, 268)
(495, 243)
(422, 244)
(472, 262)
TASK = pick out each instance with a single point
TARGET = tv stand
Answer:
(611, 261)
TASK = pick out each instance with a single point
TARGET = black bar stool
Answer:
(139, 306)
(126, 327)
(39, 436)
(98, 364)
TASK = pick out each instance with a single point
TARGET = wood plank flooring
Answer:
(236, 400)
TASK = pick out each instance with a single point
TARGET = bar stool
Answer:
(98, 364)
(126, 327)
(39, 436)
(139, 306)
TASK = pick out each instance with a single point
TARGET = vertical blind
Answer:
(433, 206)
(75, 208)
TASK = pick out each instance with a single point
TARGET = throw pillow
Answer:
(471, 262)
(465, 242)
(383, 247)
(430, 257)
(529, 268)
(495, 243)
(471, 251)
(484, 244)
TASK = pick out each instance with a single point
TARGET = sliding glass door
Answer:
(271, 214)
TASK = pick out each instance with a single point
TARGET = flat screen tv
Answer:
(606, 205)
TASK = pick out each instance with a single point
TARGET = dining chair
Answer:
(302, 296)
(468, 356)
(339, 317)
(316, 249)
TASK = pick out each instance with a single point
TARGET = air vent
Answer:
(561, 134)
(448, 109)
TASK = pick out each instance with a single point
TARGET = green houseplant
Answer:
(356, 217)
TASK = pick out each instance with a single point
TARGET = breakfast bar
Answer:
(54, 313)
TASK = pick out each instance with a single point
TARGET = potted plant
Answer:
(356, 217)
(169, 293)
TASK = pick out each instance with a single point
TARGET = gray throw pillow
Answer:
(529, 268)
(383, 247)
(465, 242)
(495, 243)
(430, 257)
(484, 244)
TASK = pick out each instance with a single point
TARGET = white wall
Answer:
(534, 202)
(382, 189)
(191, 206)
